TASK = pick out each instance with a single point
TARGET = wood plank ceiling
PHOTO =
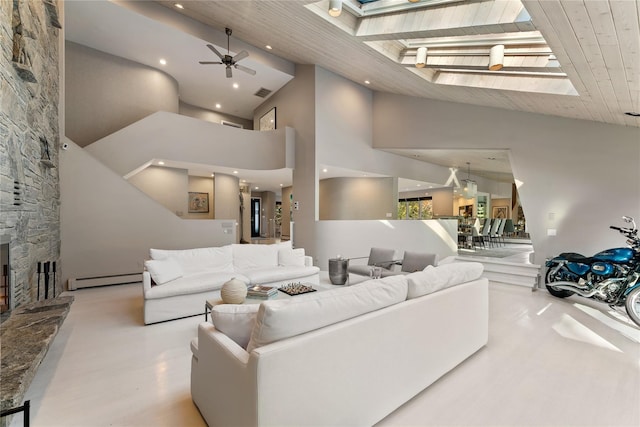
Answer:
(597, 43)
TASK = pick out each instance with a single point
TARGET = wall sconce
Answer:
(335, 8)
(496, 57)
(421, 57)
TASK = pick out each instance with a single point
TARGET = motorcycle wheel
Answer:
(558, 293)
(632, 304)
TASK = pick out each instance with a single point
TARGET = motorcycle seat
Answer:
(576, 257)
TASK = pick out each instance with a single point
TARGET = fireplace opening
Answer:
(5, 283)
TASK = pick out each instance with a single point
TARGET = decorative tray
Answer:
(296, 289)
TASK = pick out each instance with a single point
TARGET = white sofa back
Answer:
(280, 319)
(197, 260)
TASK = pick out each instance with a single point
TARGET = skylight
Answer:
(486, 44)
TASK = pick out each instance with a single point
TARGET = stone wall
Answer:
(29, 138)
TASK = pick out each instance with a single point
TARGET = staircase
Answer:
(512, 273)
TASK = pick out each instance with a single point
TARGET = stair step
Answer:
(512, 273)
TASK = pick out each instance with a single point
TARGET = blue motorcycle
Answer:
(611, 276)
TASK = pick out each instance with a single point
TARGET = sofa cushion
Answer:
(163, 270)
(275, 274)
(235, 321)
(254, 256)
(433, 279)
(288, 257)
(200, 259)
(193, 284)
(280, 319)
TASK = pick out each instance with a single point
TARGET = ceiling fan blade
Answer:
(214, 50)
(241, 55)
(229, 74)
(209, 62)
(245, 69)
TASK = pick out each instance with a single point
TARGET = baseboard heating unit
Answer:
(116, 279)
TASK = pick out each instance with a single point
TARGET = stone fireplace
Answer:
(29, 184)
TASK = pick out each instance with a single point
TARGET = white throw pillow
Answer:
(163, 270)
(433, 279)
(235, 321)
(288, 257)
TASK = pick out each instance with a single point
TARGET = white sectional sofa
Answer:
(344, 357)
(176, 283)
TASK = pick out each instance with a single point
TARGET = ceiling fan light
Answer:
(335, 8)
(496, 57)
(421, 57)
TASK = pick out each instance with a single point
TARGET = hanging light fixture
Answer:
(496, 57)
(421, 57)
(335, 7)
(470, 188)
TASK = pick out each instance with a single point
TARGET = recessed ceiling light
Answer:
(325, 170)
(257, 188)
(218, 106)
(179, 6)
(235, 171)
(213, 174)
(418, 185)
(268, 47)
(161, 163)
(163, 61)
(632, 114)
(281, 185)
(367, 82)
(235, 86)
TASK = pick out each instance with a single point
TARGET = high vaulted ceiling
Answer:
(591, 48)
(596, 42)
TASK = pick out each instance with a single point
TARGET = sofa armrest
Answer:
(146, 281)
(308, 261)
(223, 381)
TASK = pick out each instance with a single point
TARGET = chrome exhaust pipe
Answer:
(571, 286)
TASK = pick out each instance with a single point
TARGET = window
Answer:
(415, 208)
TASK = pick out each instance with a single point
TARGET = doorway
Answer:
(255, 216)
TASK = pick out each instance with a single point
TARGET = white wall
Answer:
(108, 225)
(105, 93)
(171, 136)
(358, 198)
(575, 176)
(227, 190)
(213, 116)
(295, 107)
(432, 236)
(167, 186)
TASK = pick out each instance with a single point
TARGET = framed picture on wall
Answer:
(268, 120)
(500, 212)
(198, 202)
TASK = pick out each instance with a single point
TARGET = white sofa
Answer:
(177, 283)
(343, 357)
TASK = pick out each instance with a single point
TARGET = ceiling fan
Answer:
(228, 60)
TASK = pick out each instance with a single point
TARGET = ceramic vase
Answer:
(233, 292)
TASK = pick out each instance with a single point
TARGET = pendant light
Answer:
(470, 188)
(496, 57)
(421, 57)
(335, 8)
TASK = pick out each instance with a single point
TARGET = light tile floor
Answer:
(549, 362)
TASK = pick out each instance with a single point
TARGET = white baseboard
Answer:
(90, 282)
